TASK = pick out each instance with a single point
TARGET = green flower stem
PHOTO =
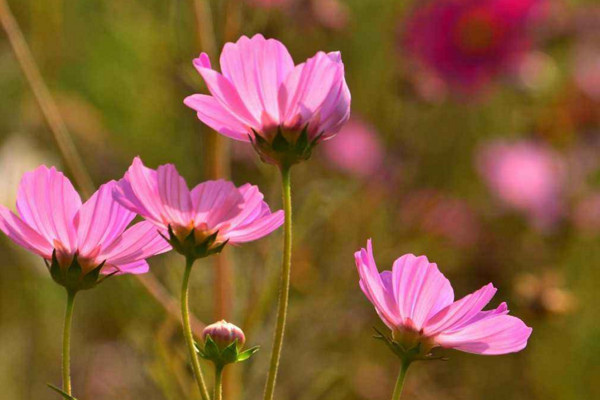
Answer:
(218, 384)
(284, 288)
(400, 381)
(187, 330)
(66, 356)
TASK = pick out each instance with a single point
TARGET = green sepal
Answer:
(286, 148)
(61, 392)
(414, 353)
(190, 248)
(72, 276)
(246, 354)
(221, 357)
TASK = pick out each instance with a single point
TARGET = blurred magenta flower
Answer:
(468, 42)
(260, 96)
(416, 301)
(52, 219)
(214, 210)
(358, 151)
(526, 176)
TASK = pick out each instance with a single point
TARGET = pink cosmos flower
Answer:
(416, 301)
(358, 152)
(213, 209)
(52, 219)
(525, 176)
(468, 42)
(260, 94)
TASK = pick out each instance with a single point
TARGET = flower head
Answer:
(262, 97)
(91, 237)
(199, 221)
(416, 301)
(468, 42)
(525, 176)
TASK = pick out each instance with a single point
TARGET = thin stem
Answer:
(284, 288)
(218, 384)
(400, 380)
(66, 356)
(187, 330)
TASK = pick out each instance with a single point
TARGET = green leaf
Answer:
(62, 393)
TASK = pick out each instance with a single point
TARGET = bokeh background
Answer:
(475, 139)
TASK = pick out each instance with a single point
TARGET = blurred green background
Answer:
(119, 71)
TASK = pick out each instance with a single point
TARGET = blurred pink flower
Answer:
(51, 218)
(358, 151)
(469, 42)
(416, 301)
(235, 215)
(260, 90)
(442, 215)
(525, 176)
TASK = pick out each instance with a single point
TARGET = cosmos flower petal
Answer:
(174, 195)
(137, 243)
(135, 268)
(213, 114)
(257, 229)
(138, 191)
(48, 203)
(373, 286)
(500, 334)
(101, 220)
(22, 234)
(307, 89)
(421, 290)
(224, 91)
(215, 201)
(257, 67)
(461, 311)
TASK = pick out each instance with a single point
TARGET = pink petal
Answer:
(136, 268)
(137, 243)
(48, 203)
(500, 334)
(248, 208)
(257, 68)
(214, 201)
(213, 114)
(138, 192)
(307, 88)
(259, 228)
(421, 290)
(460, 312)
(174, 195)
(224, 92)
(23, 235)
(101, 220)
(372, 285)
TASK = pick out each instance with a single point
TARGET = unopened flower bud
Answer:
(224, 334)
(223, 344)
